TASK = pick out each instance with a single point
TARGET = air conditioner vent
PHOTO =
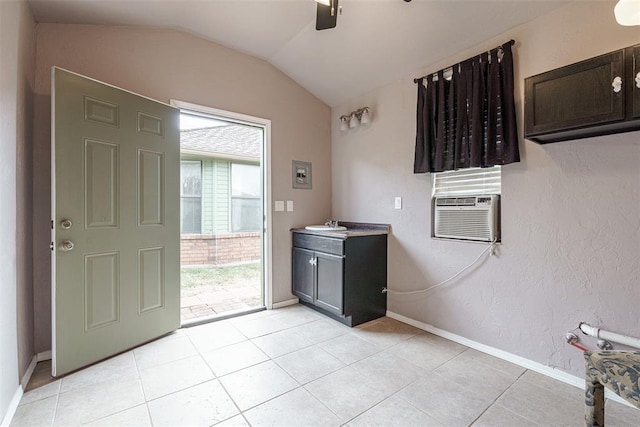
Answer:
(456, 201)
(467, 218)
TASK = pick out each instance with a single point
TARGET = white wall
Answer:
(164, 65)
(16, 81)
(570, 210)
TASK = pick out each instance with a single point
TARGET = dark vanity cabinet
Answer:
(341, 276)
(598, 96)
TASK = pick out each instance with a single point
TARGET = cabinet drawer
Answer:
(318, 243)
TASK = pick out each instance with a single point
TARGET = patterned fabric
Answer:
(619, 371)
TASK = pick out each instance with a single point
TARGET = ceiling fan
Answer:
(327, 14)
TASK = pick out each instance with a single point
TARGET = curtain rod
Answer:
(511, 42)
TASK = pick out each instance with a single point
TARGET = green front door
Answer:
(115, 229)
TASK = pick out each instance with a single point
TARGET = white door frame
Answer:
(266, 178)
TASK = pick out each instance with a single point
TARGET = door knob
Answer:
(66, 245)
(66, 224)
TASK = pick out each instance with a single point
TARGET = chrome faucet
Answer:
(331, 223)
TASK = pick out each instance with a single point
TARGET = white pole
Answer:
(609, 336)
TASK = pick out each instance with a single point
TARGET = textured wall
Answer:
(164, 65)
(570, 210)
(17, 50)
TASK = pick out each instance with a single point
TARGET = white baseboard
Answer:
(286, 303)
(45, 355)
(27, 375)
(549, 371)
(13, 406)
(15, 401)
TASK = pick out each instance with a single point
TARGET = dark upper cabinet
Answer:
(634, 81)
(598, 96)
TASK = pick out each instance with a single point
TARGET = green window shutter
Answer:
(207, 196)
(222, 170)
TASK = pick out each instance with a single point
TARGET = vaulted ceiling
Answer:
(375, 41)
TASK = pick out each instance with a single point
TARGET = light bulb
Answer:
(627, 12)
(343, 123)
(353, 123)
(365, 119)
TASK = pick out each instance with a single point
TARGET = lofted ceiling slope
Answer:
(375, 41)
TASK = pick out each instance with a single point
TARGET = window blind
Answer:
(472, 181)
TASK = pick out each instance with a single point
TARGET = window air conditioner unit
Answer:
(467, 218)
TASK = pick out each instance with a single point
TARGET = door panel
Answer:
(330, 279)
(151, 280)
(115, 176)
(101, 287)
(303, 274)
(150, 188)
(101, 184)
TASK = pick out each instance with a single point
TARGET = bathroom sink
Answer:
(325, 228)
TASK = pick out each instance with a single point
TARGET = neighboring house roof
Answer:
(223, 141)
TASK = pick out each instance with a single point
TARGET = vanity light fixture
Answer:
(344, 122)
(627, 12)
(355, 118)
(354, 122)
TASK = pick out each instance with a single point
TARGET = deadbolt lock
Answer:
(66, 224)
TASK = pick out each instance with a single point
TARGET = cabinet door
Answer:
(635, 81)
(303, 274)
(330, 279)
(576, 96)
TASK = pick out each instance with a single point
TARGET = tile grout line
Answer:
(135, 362)
(498, 397)
(55, 409)
(395, 394)
(271, 359)
(242, 412)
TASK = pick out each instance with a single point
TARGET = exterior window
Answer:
(246, 206)
(190, 197)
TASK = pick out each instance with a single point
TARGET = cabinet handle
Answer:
(617, 84)
(637, 79)
(313, 261)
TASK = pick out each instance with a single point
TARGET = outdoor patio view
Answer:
(221, 217)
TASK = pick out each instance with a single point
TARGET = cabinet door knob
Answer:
(637, 79)
(617, 84)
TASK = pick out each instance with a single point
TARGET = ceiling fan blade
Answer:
(327, 16)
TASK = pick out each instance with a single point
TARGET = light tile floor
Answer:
(295, 367)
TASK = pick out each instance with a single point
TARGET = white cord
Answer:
(430, 288)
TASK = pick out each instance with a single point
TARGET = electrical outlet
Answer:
(279, 206)
(398, 203)
(289, 205)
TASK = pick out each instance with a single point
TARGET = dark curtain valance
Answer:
(469, 120)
